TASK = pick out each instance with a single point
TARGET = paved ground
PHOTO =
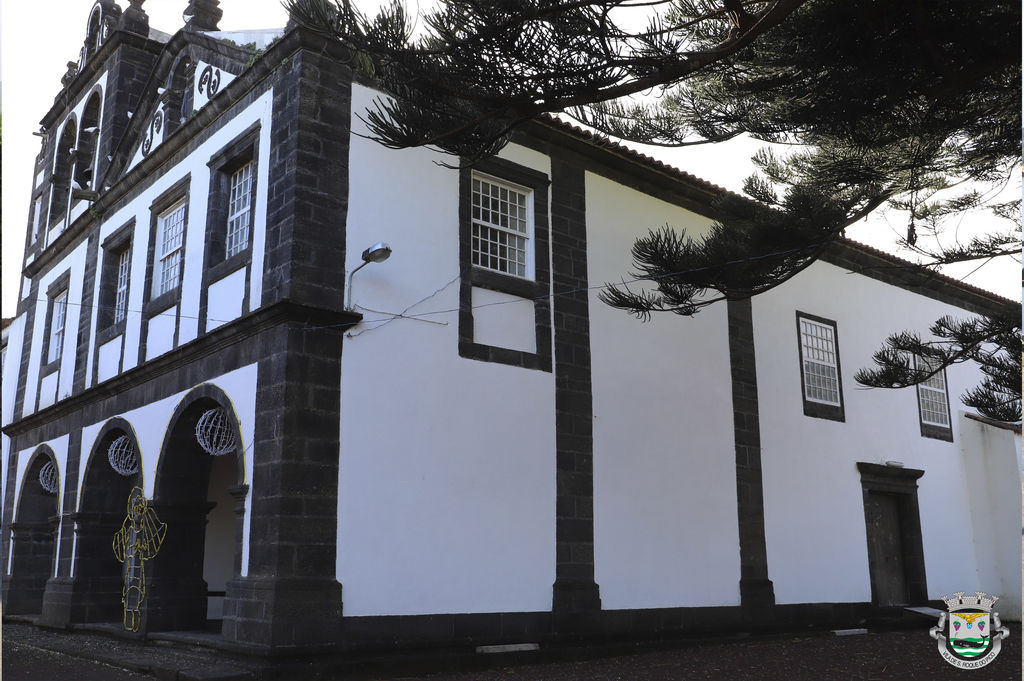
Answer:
(26, 663)
(909, 655)
(895, 656)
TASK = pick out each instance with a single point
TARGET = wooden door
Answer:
(885, 537)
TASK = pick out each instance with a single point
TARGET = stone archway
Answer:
(96, 594)
(197, 495)
(32, 547)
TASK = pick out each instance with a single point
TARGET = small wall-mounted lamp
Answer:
(379, 252)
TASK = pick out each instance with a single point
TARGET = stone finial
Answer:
(70, 74)
(203, 15)
(135, 19)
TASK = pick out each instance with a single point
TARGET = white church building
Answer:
(459, 443)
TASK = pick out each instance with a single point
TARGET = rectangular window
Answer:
(169, 244)
(239, 211)
(121, 286)
(58, 318)
(821, 368)
(820, 373)
(933, 402)
(501, 227)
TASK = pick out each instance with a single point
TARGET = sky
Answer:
(38, 39)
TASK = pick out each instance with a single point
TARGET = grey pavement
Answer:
(30, 653)
(27, 663)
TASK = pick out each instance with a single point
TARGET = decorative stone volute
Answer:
(203, 15)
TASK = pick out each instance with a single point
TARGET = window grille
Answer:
(121, 289)
(820, 362)
(170, 237)
(57, 323)
(501, 228)
(931, 394)
(239, 210)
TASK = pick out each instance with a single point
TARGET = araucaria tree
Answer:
(908, 104)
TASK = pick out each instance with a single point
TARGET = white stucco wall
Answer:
(990, 461)
(814, 510)
(225, 299)
(159, 331)
(447, 465)
(664, 459)
(72, 264)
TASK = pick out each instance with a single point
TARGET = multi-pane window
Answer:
(170, 240)
(239, 210)
(931, 396)
(820, 362)
(121, 285)
(58, 319)
(501, 226)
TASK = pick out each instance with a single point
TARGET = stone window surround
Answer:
(156, 304)
(473, 276)
(112, 247)
(60, 286)
(232, 156)
(819, 409)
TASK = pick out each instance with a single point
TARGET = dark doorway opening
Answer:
(96, 595)
(194, 496)
(32, 548)
(893, 523)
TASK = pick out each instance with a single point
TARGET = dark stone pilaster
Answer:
(757, 595)
(575, 590)
(23, 590)
(94, 593)
(291, 598)
(6, 540)
(85, 313)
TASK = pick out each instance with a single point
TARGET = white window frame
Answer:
(123, 274)
(169, 252)
(239, 210)
(58, 322)
(934, 387)
(810, 354)
(495, 228)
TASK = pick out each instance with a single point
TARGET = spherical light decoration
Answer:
(48, 477)
(123, 457)
(214, 432)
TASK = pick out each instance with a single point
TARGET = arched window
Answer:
(94, 35)
(179, 97)
(63, 166)
(85, 165)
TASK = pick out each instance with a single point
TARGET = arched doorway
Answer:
(34, 528)
(197, 495)
(102, 510)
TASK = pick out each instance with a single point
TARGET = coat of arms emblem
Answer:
(970, 634)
